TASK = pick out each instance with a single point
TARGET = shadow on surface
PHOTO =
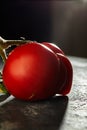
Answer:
(41, 115)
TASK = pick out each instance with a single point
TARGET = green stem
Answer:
(4, 44)
(0, 77)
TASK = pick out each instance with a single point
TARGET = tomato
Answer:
(66, 71)
(31, 72)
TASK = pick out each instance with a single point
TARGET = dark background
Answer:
(63, 22)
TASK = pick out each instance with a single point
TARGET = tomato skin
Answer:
(53, 47)
(66, 70)
(31, 72)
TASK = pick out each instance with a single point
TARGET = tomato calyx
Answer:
(2, 88)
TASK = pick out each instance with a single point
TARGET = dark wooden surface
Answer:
(58, 113)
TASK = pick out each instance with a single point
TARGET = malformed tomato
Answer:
(66, 71)
(31, 72)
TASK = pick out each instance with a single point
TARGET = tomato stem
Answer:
(4, 44)
(0, 75)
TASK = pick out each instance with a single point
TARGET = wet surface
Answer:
(58, 113)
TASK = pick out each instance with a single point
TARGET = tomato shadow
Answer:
(50, 113)
(41, 115)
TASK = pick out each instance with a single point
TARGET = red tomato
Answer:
(66, 71)
(31, 72)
